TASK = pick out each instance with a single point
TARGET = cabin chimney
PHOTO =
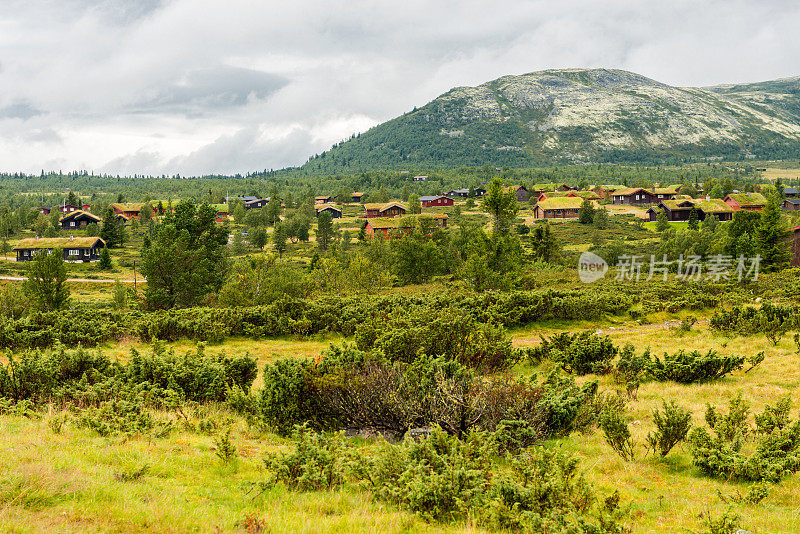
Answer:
(708, 198)
(71, 237)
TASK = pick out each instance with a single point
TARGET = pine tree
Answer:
(587, 212)
(662, 223)
(110, 231)
(601, 219)
(105, 260)
(279, 239)
(693, 224)
(324, 230)
(545, 246)
(772, 236)
(273, 210)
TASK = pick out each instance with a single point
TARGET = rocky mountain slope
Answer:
(578, 116)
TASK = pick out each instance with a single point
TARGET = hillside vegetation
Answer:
(578, 116)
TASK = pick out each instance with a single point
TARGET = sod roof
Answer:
(561, 203)
(58, 242)
(753, 199)
(128, 206)
(81, 212)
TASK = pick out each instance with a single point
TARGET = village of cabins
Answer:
(550, 201)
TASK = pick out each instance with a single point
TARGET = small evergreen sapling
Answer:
(617, 434)
(105, 260)
(224, 447)
(671, 427)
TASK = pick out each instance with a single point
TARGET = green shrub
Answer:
(671, 427)
(447, 479)
(513, 436)
(768, 318)
(630, 370)
(224, 447)
(289, 397)
(353, 389)
(580, 353)
(118, 416)
(448, 333)
(688, 367)
(727, 523)
(774, 454)
(318, 462)
(617, 434)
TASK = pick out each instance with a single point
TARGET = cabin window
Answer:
(72, 223)
(73, 252)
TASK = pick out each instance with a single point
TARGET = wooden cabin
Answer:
(520, 191)
(390, 209)
(330, 209)
(791, 204)
(78, 220)
(131, 210)
(390, 227)
(639, 195)
(74, 249)
(435, 200)
(681, 210)
(558, 208)
(746, 201)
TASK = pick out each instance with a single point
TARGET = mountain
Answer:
(580, 116)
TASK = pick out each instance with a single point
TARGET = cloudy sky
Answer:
(210, 86)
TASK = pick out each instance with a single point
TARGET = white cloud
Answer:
(202, 86)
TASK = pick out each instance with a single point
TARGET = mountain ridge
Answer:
(559, 116)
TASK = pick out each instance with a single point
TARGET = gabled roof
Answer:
(559, 203)
(357, 194)
(323, 207)
(795, 201)
(248, 198)
(682, 204)
(627, 191)
(78, 213)
(514, 188)
(58, 242)
(789, 190)
(713, 205)
(591, 195)
(748, 199)
(432, 197)
(545, 187)
(383, 207)
(128, 206)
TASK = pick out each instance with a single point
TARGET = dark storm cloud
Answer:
(218, 87)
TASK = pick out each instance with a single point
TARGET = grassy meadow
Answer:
(56, 477)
